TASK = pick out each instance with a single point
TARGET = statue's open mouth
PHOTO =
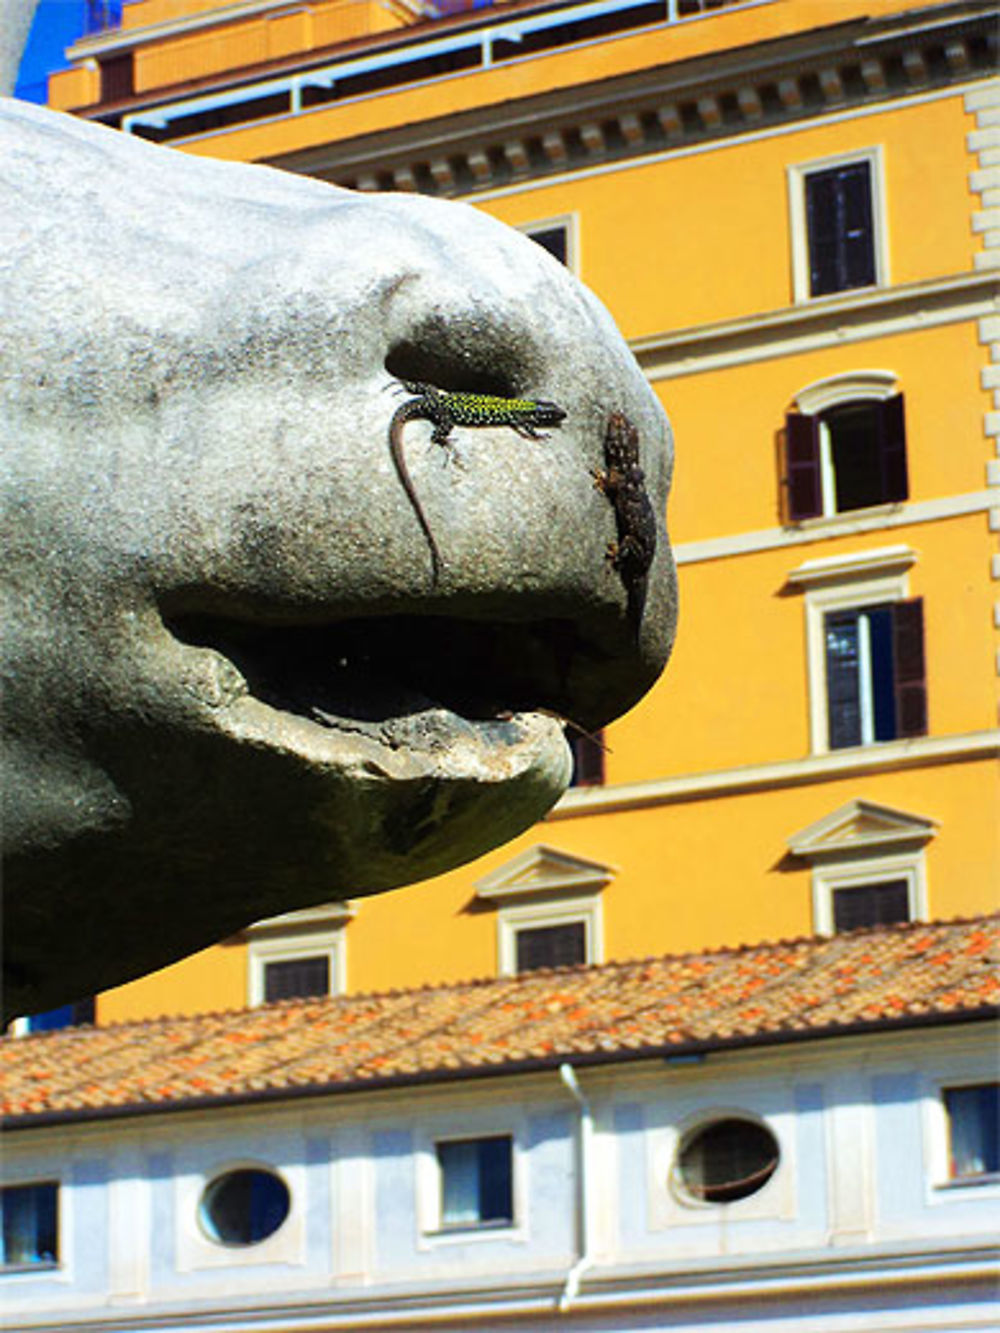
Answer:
(382, 677)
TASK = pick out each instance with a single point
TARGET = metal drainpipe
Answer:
(583, 1155)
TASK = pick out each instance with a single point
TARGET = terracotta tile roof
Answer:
(755, 995)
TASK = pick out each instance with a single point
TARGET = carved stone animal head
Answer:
(231, 688)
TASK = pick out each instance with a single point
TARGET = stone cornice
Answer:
(824, 321)
(673, 106)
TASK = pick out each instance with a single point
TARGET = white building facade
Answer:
(844, 1183)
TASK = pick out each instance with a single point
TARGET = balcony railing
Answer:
(480, 47)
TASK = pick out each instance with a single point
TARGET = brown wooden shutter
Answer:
(588, 759)
(892, 449)
(909, 670)
(802, 477)
(117, 77)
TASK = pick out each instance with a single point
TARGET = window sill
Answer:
(42, 1266)
(970, 1182)
(833, 523)
(463, 1230)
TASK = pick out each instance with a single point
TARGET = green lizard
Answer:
(447, 410)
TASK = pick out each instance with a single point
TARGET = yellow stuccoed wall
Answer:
(700, 237)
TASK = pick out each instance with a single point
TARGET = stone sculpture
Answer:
(231, 687)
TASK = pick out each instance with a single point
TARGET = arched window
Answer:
(845, 447)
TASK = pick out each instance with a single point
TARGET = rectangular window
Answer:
(973, 1115)
(296, 978)
(875, 683)
(551, 946)
(850, 457)
(30, 1224)
(871, 905)
(840, 228)
(476, 1182)
(117, 77)
(588, 759)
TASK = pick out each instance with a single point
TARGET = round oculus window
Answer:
(244, 1207)
(726, 1160)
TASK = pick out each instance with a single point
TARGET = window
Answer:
(297, 978)
(117, 77)
(875, 687)
(551, 946)
(588, 759)
(557, 235)
(868, 866)
(244, 1207)
(726, 1160)
(476, 1182)
(850, 456)
(973, 1116)
(871, 905)
(298, 954)
(30, 1224)
(840, 228)
(838, 233)
(549, 909)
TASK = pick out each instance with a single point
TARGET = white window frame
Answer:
(944, 1188)
(670, 1206)
(861, 872)
(535, 916)
(843, 584)
(863, 386)
(196, 1250)
(796, 175)
(571, 223)
(311, 933)
(430, 1191)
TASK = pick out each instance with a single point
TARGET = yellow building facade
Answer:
(791, 210)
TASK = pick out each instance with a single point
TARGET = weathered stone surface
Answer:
(15, 23)
(230, 686)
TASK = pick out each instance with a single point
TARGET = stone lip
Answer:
(232, 687)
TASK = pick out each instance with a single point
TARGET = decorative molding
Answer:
(859, 826)
(664, 110)
(307, 919)
(885, 757)
(851, 387)
(827, 321)
(542, 870)
(849, 524)
(857, 564)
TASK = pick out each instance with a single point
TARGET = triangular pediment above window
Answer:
(542, 870)
(858, 826)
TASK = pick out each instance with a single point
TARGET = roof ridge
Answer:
(516, 979)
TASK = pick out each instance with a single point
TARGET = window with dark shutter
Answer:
(875, 679)
(296, 978)
(117, 77)
(851, 456)
(910, 674)
(803, 487)
(871, 905)
(588, 759)
(839, 223)
(551, 946)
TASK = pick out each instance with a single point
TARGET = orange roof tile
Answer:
(902, 975)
